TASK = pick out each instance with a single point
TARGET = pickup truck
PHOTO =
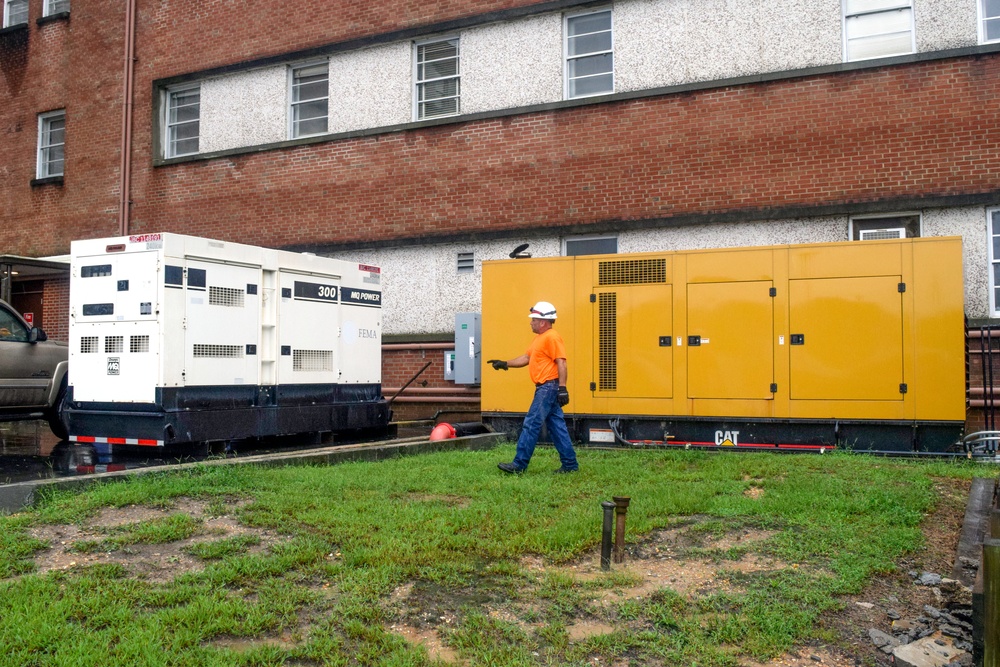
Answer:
(32, 372)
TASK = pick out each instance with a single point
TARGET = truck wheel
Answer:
(57, 417)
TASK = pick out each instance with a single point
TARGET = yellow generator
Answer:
(857, 345)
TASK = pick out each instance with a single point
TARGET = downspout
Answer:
(125, 185)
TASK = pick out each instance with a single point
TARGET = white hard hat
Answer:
(543, 310)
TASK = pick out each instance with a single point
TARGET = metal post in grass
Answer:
(994, 530)
(991, 602)
(621, 509)
(609, 510)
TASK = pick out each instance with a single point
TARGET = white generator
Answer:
(177, 339)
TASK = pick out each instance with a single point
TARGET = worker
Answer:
(546, 362)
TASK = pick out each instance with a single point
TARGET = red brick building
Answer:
(427, 137)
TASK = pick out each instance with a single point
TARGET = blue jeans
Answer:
(545, 409)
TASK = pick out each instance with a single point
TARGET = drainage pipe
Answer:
(609, 509)
(125, 184)
(621, 508)
(393, 347)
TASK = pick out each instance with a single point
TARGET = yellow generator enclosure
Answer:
(857, 345)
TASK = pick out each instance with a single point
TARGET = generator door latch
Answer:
(797, 339)
(774, 387)
(694, 341)
(593, 386)
(902, 387)
(665, 341)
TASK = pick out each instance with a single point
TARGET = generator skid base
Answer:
(180, 418)
(756, 435)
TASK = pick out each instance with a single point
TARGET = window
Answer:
(993, 225)
(51, 144)
(11, 328)
(590, 245)
(15, 12)
(310, 100)
(877, 28)
(990, 20)
(55, 7)
(183, 121)
(894, 226)
(589, 54)
(439, 87)
(466, 262)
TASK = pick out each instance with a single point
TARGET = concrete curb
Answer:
(21, 495)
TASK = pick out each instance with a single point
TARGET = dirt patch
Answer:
(153, 562)
(430, 640)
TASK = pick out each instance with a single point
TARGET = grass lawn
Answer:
(440, 558)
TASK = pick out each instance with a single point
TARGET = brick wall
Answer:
(906, 132)
(55, 308)
(73, 64)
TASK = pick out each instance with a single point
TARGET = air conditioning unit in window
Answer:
(879, 234)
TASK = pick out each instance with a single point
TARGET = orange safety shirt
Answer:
(542, 355)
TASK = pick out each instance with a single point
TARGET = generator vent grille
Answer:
(88, 344)
(312, 360)
(138, 344)
(225, 296)
(632, 272)
(608, 341)
(113, 344)
(218, 351)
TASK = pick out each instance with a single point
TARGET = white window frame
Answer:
(7, 20)
(897, 5)
(983, 18)
(885, 216)
(567, 58)
(168, 96)
(293, 132)
(600, 237)
(994, 261)
(418, 83)
(44, 164)
(51, 7)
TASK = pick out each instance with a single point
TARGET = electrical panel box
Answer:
(467, 348)
(170, 326)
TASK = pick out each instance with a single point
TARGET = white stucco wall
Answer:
(510, 65)
(520, 63)
(945, 24)
(244, 109)
(371, 88)
(422, 289)
(670, 42)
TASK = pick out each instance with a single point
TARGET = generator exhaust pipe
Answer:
(621, 508)
(609, 509)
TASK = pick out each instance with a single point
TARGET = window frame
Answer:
(43, 162)
(418, 82)
(993, 260)
(50, 7)
(900, 5)
(6, 13)
(981, 22)
(566, 241)
(292, 102)
(567, 58)
(168, 96)
(854, 230)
